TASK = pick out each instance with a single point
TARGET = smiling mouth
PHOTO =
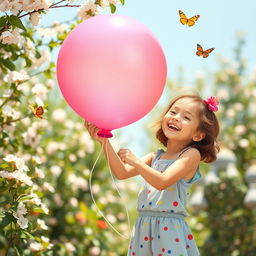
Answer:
(173, 127)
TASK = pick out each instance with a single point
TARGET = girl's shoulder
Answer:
(190, 152)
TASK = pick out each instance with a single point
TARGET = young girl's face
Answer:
(182, 120)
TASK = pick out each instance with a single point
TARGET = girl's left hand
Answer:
(128, 157)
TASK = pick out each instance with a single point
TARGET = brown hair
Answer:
(208, 146)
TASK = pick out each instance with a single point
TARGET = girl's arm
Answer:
(184, 167)
(120, 169)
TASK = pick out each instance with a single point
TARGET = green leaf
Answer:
(38, 209)
(25, 234)
(7, 63)
(113, 8)
(53, 44)
(122, 2)
(18, 251)
(8, 218)
(16, 22)
(3, 21)
(28, 62)
(23, 198)
(4, 165)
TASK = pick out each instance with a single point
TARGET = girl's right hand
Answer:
(93, 130)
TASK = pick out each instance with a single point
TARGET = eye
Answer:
(172, 112)
(187, 118)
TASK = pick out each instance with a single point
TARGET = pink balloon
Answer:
(111, 70)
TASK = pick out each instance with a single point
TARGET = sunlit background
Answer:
(219, 25)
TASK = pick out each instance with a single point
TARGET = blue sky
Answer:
(219, 22)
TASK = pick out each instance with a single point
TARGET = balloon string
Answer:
(97, 208)
(126, 210)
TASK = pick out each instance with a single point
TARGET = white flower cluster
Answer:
(14, 6)
(90, 9)
(21, 211)
(11, 37)
(20, 173)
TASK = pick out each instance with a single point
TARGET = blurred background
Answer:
(56, 155)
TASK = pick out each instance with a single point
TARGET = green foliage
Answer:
(230, 223)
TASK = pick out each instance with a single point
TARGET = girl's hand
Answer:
(128, 157)
(93, 130)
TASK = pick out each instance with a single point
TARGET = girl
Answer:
(188, 129)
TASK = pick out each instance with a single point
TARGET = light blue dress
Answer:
(161, 229)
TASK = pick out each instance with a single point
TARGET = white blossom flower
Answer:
(103, 3)
(94, 251)
(230, 113)
(22, 222)
(41, 224)
(59, 27)
(36, 247)
(55, 170)
(19, 162)
(111, 218)
(223, 94)
(45, 208)
(72, 158)
(11, 112)
(240, 129)
(37, 159)
(59, 115)
(238, 106)
(88, 10)
(52, 147)
(39, 172)
(73, 201)
(34, 18)
(4, 5)
(45, 239)
(243, 143)
(35, 199)
(40, 90)
(14, 76)
(10, 37)
(9, 127)
(70, 247)
(17, 175)
(48, 186)
(45, 57)
(77, 182)
(114, 2)
(31, 137)
(69, 124)
(20, 211)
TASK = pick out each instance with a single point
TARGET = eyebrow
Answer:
(187, 112)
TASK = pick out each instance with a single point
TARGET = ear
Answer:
(199, 136)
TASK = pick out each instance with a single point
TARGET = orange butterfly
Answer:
(184, 20)
(38, 111)
(201, 52)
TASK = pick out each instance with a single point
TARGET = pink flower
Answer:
(212, 103)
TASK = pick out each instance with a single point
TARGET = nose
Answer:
(176, 117)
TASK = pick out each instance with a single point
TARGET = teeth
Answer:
(173, 127)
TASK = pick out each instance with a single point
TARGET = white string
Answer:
(97, 208)
(127, 214)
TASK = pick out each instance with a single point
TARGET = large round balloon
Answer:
(111, 70)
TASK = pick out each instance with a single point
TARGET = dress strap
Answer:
(184, 150)
(158, 154)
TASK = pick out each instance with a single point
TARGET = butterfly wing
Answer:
(192, 20)
(183, 18)
(39, 112)
(207, 52)
(200, 50)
